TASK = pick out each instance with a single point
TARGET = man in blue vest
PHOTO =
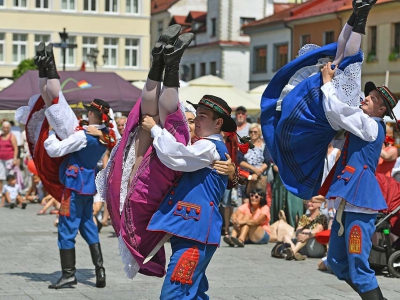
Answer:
(189, 212)
(354, 189)
(79, 152)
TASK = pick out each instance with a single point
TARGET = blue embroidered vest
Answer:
(354, 178)
(78, 170)
(190, 209)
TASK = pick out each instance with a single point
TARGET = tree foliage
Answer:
(25, 65)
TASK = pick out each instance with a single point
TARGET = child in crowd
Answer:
(11, 193)
(36, 192)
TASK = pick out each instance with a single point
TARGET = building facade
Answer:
(115, 33)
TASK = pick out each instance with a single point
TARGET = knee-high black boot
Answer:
(168, 37)
(50, 63)
(353, 286)
(375, 294)
(68, 269)
(97, 258)
(361, 11)
(38, 59)
(172, 58)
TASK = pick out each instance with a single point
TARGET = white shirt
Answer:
(12, 190)
(350, 118)
(179, 157)
(73, 143)
(353, 119)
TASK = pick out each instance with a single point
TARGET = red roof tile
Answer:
(158, 6)
(179, 20)
(279, 7)
(306, 10)
(196, 16)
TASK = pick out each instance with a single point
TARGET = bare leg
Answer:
(43, 91)
(342, 42)
(256, 233)
(280, 229)
(53, 89)
(104, 221)
(227, 212)
(149, 106)
(169, 100)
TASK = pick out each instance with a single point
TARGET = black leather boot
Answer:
(375, 294)
(168, 37)
(38, 59)
(97, 258)
(172, 58)
(68, 269)
(50, 64)
(353, 286)
(361, 10)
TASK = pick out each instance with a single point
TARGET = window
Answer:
(396, 38)
(20, 3)
(160, 27)
(213, 27)
(43, 4)
(245, 21)
(372, 41)
(69, 52)
(132, 6)
(90, 5)
(1, 3)
(329, 37)
(41, 38)
(213, 68)
(305, 39)
(68, 5)
(131, 52)
(281, 56)
(110, 52)
(19, 47)
(2, 47)
(111, 6)
(89, 44)
(192, 71)
(260, 59)
(202, 69)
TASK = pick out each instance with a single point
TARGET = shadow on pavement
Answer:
(83, 276)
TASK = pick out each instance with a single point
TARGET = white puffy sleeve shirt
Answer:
(57, 148)
(343, 116)
(179, 157)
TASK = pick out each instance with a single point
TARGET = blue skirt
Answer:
(298, 136)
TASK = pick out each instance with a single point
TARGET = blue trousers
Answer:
(81, 218)
(173, 290)
(348, 254)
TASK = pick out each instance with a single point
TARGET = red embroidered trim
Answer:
(355, 240)
(65, 204)
(350, 169)
(186, 266)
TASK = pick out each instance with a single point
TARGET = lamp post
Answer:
(92, 57)
(64, 45)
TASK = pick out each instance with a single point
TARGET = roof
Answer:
(179, 20)
(196, 16)
(158, 6)
(279, 7)
(305, 10)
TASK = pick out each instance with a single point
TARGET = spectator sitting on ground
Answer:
(48, 202)
(305, 245)
(36, 191)
(11, 193)
(250, 221)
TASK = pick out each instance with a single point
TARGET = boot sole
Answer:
(170, 34)
(49, 50)
(181, 44)
(40, 49)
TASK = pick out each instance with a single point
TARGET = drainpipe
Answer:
(291, 40)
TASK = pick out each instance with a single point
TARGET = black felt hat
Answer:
(100, 106)
(389, 99)
(221, 108)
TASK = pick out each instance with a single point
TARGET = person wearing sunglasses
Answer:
(250, 221)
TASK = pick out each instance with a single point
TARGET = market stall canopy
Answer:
(213, 85)
(78, 88)
(5, 83)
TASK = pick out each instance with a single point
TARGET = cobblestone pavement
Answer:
(29, 261)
